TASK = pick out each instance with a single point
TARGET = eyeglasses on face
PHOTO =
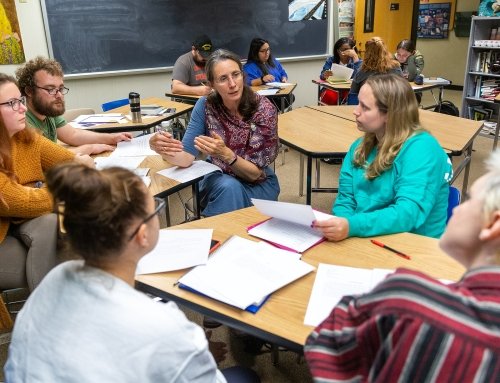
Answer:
(159, 206)
(15, 103)
(265, 50)
(53, 91)
(236, 75)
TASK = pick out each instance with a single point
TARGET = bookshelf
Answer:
(482, 74)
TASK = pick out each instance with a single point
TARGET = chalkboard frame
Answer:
(322, 53)
(70, 73)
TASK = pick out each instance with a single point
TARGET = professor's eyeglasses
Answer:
(236, 75)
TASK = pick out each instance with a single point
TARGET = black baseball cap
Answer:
(204, 45)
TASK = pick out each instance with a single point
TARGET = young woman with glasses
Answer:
(237, 129)
(261, 67)
(85, 322)
(27, 231)
(344, 53)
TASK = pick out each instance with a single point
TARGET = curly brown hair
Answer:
(377, 58)
(26, 74)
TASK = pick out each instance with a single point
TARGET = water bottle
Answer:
(134, 100)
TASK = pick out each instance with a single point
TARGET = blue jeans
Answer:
(222, 193)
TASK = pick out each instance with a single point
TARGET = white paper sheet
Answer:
(291, 212)
(138, 146)
(279, 84)
(176, 250)
(130, 163)
(435, 80)
(267, 92)
(242, 272)
(333, 282)
(340, 73)
(196, 170)
(86, 121)
(290, 226)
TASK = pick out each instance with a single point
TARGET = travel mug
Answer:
(134, 100)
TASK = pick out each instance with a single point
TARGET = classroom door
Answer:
(391, 20)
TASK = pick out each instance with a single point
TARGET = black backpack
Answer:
(447, 107)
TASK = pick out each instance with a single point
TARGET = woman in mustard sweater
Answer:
(25, 225)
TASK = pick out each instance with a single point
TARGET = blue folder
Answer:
(252, 308)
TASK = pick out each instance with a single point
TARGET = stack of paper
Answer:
(276, 84)
(243, 272)
(435, 80)
(138, 146)
(152, 110)
(333, 282)
(290, 225)
(130, 163)
(268, 92)
(196, 170)
(340, 73)
(89, 120)
(176, 250)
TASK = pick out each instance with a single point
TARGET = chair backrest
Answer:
(71, 114)
(352, 99)
(114, 104)
(453, 201)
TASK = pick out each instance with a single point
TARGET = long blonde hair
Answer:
(377, 57)
(395, 98)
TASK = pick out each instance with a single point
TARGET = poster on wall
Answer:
(433, 20)
(299, 10)
(346, 18)
(489, 8)
(11, 46)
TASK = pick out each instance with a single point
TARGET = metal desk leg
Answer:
(196, 200)
(318, 171)
(167, 211)
(467, 169)
(309, 180)
(301, 175)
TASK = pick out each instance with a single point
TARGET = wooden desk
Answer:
(281, 95)
(454, 134)
(147, 122)
(186, 98)
(281, 318)
(163, 187)
(347, 86)
(316, 135)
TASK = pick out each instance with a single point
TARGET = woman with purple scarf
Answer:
(237, 129)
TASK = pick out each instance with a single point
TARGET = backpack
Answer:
(447, 107)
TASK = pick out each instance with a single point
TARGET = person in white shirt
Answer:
(85, 322)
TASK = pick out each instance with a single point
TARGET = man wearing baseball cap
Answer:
(189, 75)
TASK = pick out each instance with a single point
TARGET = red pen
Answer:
(397, 252)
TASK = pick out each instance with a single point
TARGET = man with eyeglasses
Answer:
(41, 82)
(189, 75)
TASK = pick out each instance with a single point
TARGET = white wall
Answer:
(92, 92)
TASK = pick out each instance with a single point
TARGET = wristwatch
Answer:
(262, 79)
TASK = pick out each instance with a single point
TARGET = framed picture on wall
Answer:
(433, 20)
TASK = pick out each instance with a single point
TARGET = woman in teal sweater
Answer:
(395, 178)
